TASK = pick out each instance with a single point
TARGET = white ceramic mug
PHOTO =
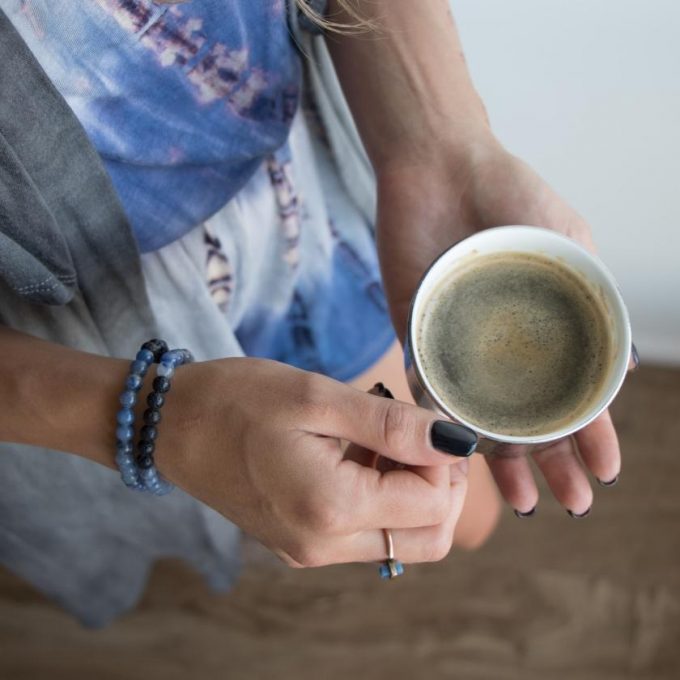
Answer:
(526, 240)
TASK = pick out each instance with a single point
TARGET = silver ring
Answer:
(391, 567)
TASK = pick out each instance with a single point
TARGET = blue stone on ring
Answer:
(390, 569)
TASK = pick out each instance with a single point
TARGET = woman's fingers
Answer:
(599, 449)
(422, 518)
(423, 544)
(396, 498)
(435, 474)
(360, 454)
(561, 466)
(565, 475)
(394, 429)
(512, 472)
(438, 477)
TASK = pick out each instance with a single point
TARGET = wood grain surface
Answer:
(549, 597)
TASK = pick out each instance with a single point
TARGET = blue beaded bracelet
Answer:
(133, 475)
(147, 436)
(149, 353)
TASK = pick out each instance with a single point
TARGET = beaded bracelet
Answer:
(144, 476)
(148, 434)
(150, 352)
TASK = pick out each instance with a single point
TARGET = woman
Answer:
(253, 217)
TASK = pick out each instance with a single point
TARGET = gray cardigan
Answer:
(70, 272)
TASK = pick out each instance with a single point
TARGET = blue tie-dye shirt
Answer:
(179, 100)
(188, 106)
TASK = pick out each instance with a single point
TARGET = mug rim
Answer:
(611, 393)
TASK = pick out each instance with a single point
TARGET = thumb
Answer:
(394, 429)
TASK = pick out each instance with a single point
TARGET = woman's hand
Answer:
(260, 442)
(424, 208)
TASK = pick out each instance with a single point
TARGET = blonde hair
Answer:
(358, 23)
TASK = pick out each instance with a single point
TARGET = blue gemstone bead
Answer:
(161, 384)
(139, 367)
(166, 370)
(128, 398)
(172, 358)
(125, 448)
(144, 462)
(130, 476)
(164, 488)
(149, 476)
(132, 483)
(146, 448)
(125, 416)
(148, 433)
(155, 400)
(124, 433)
(384, 571)
(157, 347)
(187, 356)
(133, 382)
(399, 567)
(167, 488)
(124, 461)
(145, 355)
(152, 416)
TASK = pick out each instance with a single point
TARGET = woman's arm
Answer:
(407, 83)
(441, 176)
(260, 442)
(58, 398)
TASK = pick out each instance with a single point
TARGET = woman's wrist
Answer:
(91, 407)
(185, 419)
(438, 153)
(59, 398)
(439, 180)
(407, 83)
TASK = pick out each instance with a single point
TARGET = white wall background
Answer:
(588, 91)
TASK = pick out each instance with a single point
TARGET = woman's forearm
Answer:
(59, 398)
(406, 82)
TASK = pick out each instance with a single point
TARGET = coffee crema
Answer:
(515, 343)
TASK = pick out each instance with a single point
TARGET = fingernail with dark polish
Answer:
(634, 356)
(574, 515)
(380, 390)
(611, 482)
(456, 440)
(524, 515)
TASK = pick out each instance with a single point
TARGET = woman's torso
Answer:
(181, 101)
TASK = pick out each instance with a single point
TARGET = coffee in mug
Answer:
(516, 343)
(519, 333)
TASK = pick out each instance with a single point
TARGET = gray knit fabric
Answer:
(70, 273)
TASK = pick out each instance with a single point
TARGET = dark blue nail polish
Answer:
(611, 482)
(453, 439)
(524, 515)
(382, 391)
(634, 356)
(575, 515)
